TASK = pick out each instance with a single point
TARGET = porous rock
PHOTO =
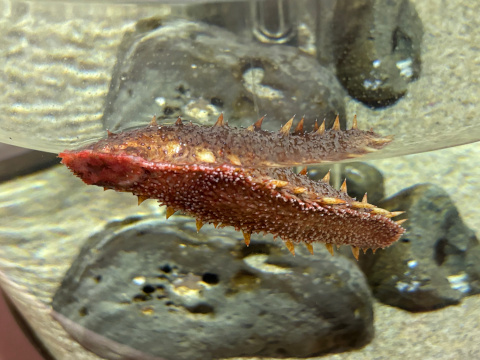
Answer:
(198, 71)
(377, 48)
(437, 261)
(173, 293)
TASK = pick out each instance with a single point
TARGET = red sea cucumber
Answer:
(240, 178)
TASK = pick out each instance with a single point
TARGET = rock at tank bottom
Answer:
(167, 291)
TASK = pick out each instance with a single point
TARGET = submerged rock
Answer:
(437, 261)
(197, 71)
(377, 48)
(170, 292)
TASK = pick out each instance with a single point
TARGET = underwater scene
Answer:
(277, 179)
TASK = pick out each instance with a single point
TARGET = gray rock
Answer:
(435, 264)
(170, 292)
(197, 71)
(377, 48)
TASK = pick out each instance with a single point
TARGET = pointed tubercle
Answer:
(321, 129)
(199, 224)
(362, 205)
(331, 201)
(290, 247)
(299, 190)
(326, 178)
(285, 130)
(354, 124)
(153, 122)
(309, 248)
(365, 199)
(257, 125)
(278, 183)
(299, 127)
(246, 237)
(382, 141)
(355, 252)
(396, 213)
(336, 124)
(141, 199)
(330, 248)
(170, 211)
(380, 211)
(220, 121)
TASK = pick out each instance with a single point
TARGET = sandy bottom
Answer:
(449, 333)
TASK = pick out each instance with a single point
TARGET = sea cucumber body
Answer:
(189, 144)
(203, 172)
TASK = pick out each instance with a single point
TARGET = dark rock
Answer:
(377, 48)
(435, 264)
(197, 71)
(361, 178)
(170, 292)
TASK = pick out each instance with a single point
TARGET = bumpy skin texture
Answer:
(188, 144)
(237, 177)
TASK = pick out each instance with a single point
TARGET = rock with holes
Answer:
(198, 71)
(437, 261)
(377, 48)
(172, 293)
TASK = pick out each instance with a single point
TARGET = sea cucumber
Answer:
(243, 178)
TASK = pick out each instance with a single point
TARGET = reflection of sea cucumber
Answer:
(239, 177)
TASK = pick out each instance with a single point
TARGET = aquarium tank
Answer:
(246, 142)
